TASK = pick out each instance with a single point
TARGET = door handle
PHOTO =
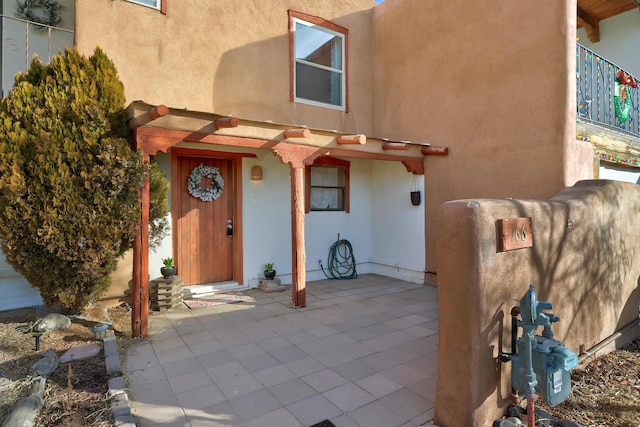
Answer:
(229, 228)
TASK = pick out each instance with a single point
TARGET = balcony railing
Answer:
(600, 98)
(21, 40)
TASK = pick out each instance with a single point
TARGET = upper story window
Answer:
(327, 185)
(318, 61)
(161, 5)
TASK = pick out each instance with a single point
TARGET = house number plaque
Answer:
(515, 233)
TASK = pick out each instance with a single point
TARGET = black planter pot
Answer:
(269, 274)
(167, 272)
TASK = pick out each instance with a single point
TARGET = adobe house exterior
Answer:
(477, 99)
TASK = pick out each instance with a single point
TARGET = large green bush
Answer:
(69, 181)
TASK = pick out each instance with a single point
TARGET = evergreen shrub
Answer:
(69, 180)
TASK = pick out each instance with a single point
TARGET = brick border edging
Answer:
(118, 397)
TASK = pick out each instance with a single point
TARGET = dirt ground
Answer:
(606, 391)
(76, 392)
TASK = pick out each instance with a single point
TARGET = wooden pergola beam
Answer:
(351, 139)
(226, 122)
(396, 146)
(297, 133)
(148, 117)
(434, 151)
(590, 24)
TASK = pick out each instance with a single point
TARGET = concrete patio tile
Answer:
(378, 385)
(220, 357)
(160, 345)
(402, 354)
(420, 331)
(348, 397)
(424, 418)
(140, 355)
(255, 404)
(179, 353)
(427, 365)
(205, 347)
(226, 371)
(151, 392)
(333, 358)
(407, 403)
(181, 367)
(377, 414)
(288, 354)
(354, 370)
(357, 350)
(390, 340)
(259, 362)
(274, 375)
(292, 391)
(313, 410)
(246, 351)
(239, 386)
(304, 366)
(404, 374)
(324, 380)
(425, 388)
(344, 421)
(200, 398)
(278, 418)
(190, 381)
(274, 343)
(150, 374)
(150, 414)
(379, 362)
(220, 415)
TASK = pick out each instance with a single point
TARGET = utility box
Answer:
(552, 364)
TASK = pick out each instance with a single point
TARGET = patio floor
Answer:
(362, 353)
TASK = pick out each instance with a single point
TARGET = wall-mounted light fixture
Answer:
(256, 173)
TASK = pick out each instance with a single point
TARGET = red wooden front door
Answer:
(204, 251)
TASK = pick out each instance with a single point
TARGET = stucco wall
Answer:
(494, 82)
(585, 261)
(226, 57)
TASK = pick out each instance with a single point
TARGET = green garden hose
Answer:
(341, 262)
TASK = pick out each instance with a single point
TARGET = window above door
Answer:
(318, 61)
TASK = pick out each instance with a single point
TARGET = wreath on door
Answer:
(194, 183)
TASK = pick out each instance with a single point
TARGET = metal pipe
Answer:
(398, 266)
(515, 312)
(588, 353)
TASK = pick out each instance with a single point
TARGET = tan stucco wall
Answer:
(494, 82)
(227, 57)
(585, 260)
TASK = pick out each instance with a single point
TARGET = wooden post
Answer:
(140, 282)
(298, 270)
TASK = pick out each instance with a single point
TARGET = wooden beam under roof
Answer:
(590, 24)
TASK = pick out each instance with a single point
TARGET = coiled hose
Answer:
(341, 262)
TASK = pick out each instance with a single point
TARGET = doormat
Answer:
(218, 299)
(325, 423)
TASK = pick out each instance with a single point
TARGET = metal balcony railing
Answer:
(600, 96)
(21, 39)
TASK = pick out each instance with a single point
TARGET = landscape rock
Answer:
(52, 322)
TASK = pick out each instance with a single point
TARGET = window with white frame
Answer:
(318, 61)
(151, 3)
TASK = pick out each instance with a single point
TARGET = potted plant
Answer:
(269, 272)
(169, 269)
